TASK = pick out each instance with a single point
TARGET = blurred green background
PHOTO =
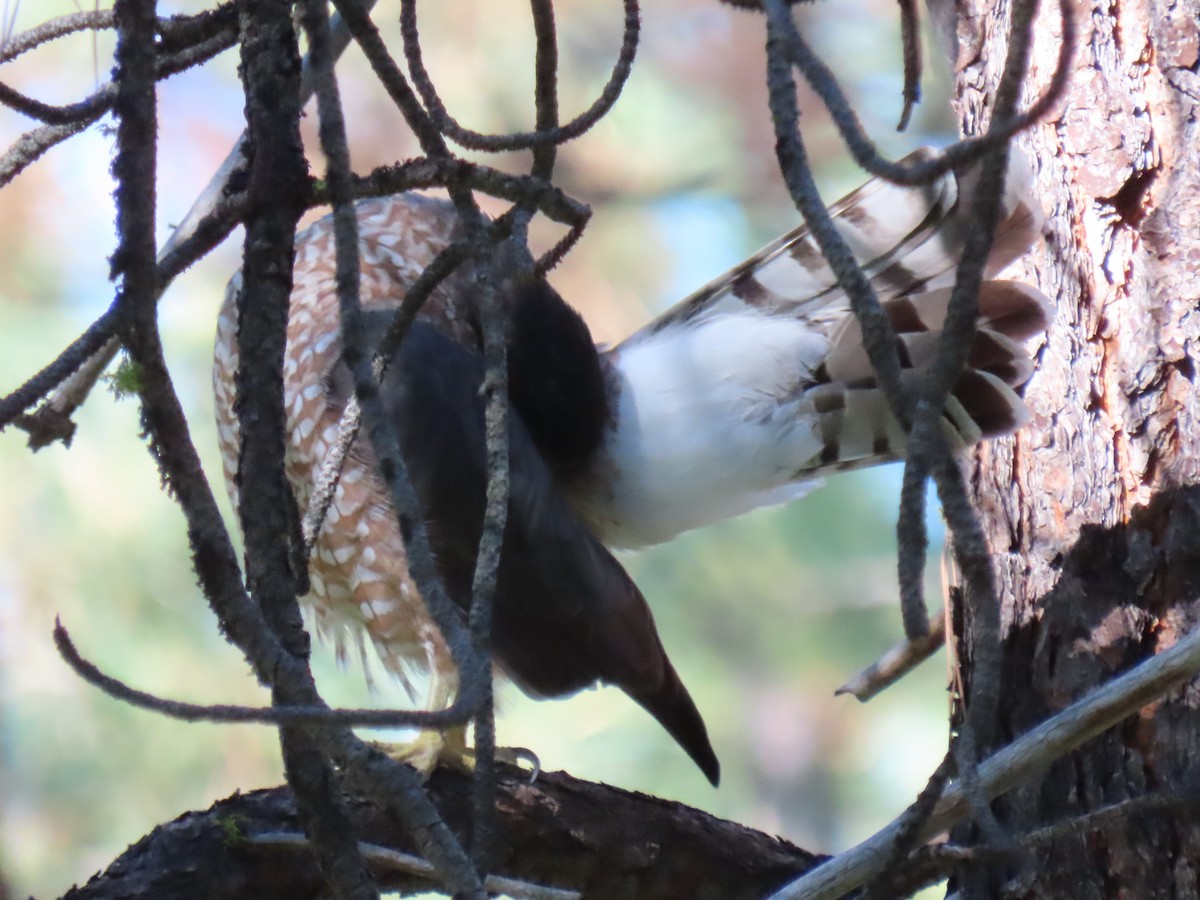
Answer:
(764, 616)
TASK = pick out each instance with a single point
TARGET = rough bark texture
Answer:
(602, 841)
(1093, 526)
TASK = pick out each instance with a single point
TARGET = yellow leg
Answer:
(432, 747)
(448, 747)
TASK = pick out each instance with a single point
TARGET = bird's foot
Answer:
(433, 749)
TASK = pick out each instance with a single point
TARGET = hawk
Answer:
(737, 397)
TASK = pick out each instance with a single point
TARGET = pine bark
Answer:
(1093, 511)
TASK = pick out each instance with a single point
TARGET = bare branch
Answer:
(927, 448)
(92, 108)
(1008, 767)
(910, 39)
(537, 193)
(961, 154)
(641, 847)
(77, 354)
(908, 825)
(231, 714)
(544, 135)
(212, 216)
(896, 663)
(91, 20)
(176, 32)
(385, 857)
(32, 145)
(383, 440)
(454, 868)
(75, 371)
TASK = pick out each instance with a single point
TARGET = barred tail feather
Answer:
(905, 238)
(857, 427)
(859, 430)
(758, 382)
(1008, 314)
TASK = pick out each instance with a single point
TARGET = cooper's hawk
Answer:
(736, 398)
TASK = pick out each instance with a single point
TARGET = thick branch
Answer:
(550, 834)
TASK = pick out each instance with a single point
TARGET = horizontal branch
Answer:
(387, 859)
(428, 172)
(231, 714)
(590, 838)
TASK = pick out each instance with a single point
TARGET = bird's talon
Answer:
(517, 755)
(432, 749)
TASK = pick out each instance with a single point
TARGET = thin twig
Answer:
(1081, 825)
(495, 387)
(421, 563)
(927, 447)
(958, 330)
(80, 350)
(1012, 765)
(928, 452)
(537, 193)
(235, 714)
(543, 135)
(896, 663)
(325, 485)
(33, 145)
(878, 336)
(74, 372)
(454, 867)
(176, 31)
(494, 320)
(958, 155)
(387, 858)
(91, 20)
(98, 103)
(375, 50)
(212, 216)
(908, 827)
(910, 39)
(932, 863)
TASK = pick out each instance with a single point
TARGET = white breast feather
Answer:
(710, 424)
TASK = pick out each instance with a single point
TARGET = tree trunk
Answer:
(1093, 512)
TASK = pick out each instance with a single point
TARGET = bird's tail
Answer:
(857, 428)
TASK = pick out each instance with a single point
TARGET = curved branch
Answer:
(176, 32)
(66, 121)
(962, 153)
(524, 140)
(639, 846)
(212, 216)
(232, 714)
